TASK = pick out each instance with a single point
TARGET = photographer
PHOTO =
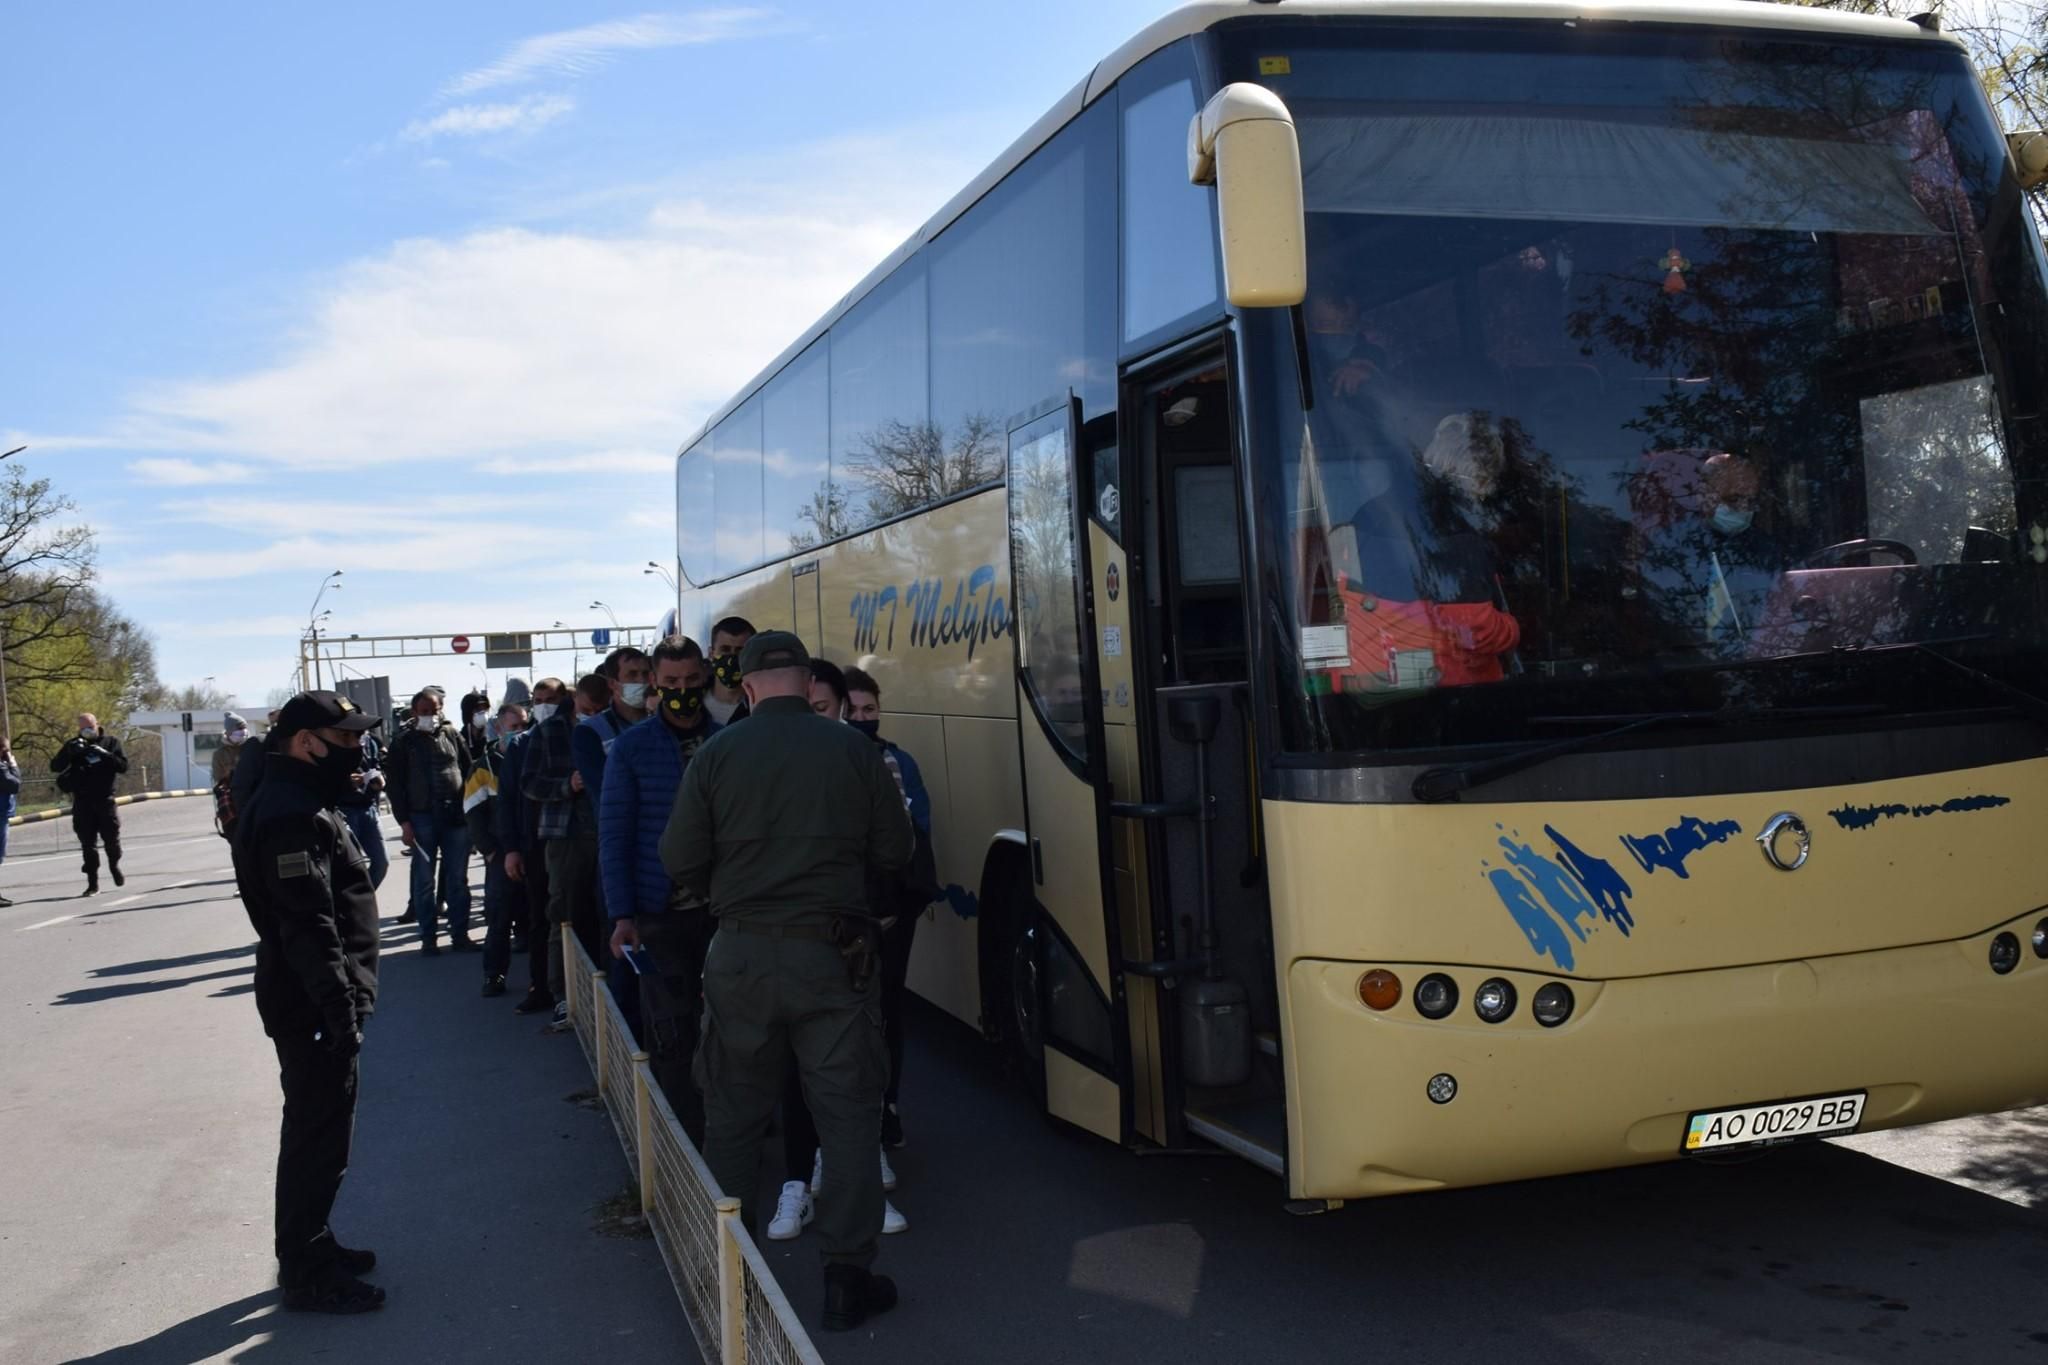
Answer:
(87, 768)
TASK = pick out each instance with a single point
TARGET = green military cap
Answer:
(773, 649)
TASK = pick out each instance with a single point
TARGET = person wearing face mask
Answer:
(234, 735)
(644, 769)
(1706, 569)
(87, 767)
(525, 856)
(726, 701)
(359, 806)
(426, 770)
(502, 896)
(628, 671)
(305, 883)
(567, 828)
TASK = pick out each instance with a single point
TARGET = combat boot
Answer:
(853, 1295)
(92, 882)
(115, 868)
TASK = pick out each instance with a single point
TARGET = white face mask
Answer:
(634, 694)
(1732, 521)
(86, 732)
(237, 736)
(428, 722)
(480, 720)
(543, 712)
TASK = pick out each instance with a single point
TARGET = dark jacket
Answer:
(425, 770)
(371, 766)
(780, 820)
(590, 742)
(481, 815)
(248, 774)
(644, 769)
(549, 763)
(512, 811)
(94, 766)
(305, 883)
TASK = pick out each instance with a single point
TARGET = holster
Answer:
(860, 948)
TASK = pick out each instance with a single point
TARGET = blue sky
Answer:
(431, 294)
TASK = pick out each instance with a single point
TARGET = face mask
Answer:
(338, 767)
(682, 703)
(871, 728)
(235, 737)
(1730, 522)
(543, 711)
(726, 668)
(84, 733)
(427, 722)
(634, 694)
(480, 720)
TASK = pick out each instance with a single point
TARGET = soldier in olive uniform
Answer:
(306, 885)
(777, 824)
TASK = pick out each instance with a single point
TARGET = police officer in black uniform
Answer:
(306, 884)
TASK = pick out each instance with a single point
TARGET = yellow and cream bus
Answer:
(1467, 579)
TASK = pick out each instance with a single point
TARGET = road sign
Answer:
(460, 644)
(508, 651)
(601, 638)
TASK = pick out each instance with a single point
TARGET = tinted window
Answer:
(1047, 575)
(736, 489)
(1021, 305)
(1169, 233)
(693, 513)
(796, 461)
(880, 423)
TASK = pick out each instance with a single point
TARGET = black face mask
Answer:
(682, 703)
(871, 728)
(726, 668)
(338, 767)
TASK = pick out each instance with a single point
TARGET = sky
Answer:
(432, 294)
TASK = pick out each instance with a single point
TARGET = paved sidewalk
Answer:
(138, 1114)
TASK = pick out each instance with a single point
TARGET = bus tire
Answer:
(1012, 1000)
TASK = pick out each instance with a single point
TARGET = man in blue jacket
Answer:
(642, 772)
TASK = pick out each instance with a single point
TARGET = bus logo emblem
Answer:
(1115, 582)
(1781, 830)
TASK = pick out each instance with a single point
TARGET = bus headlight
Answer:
(1436, 995)
(2041, 939)
(1443, 1088)
(1552, 1005)
(2005, 952)
(1379, 989)
(1494, 1000)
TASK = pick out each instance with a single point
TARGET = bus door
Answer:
(1209, 949)
(1063, 979)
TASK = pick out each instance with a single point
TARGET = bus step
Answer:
(1253, 1129)
(1268, 1043)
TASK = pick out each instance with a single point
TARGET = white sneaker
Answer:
(888, 1171)
(892, 1221)
(793, 1212)
(817, 1169)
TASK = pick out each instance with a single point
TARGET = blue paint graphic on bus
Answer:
(1605, 885)
(961, 901)
(1863, 817)
(972, 614)
(1548, 897)
(1670, 849)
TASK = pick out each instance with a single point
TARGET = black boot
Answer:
(115, 868)
(330, 1289)
(853, 1295)
(92, 882)
(355, 1261)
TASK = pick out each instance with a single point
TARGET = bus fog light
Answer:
(1380, 989)
(2005, 952)
(1436, 995)
(1443, 1088)
(2041, 939)
(1494, 1000)
(1552, 1005)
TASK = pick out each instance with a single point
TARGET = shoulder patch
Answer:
(295, 864)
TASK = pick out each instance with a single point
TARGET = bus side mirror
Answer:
(2030, 154)
(1244, 144)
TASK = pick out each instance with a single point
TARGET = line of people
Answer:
(804, 846)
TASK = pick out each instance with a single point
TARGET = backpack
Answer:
(67, 781)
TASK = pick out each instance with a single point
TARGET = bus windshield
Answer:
(1647, 372)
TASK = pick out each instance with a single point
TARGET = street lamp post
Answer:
(313, 623)
(666, 576)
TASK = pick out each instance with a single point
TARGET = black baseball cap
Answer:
(323, 710)
(773, 649)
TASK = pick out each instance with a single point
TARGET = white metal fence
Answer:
(735, 1308)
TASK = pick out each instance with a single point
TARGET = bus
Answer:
(1467, 579)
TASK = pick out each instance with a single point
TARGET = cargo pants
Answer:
(768, 1000)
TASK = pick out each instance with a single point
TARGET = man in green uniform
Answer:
(777, 824)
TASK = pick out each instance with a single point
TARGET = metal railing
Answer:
(736, 1310)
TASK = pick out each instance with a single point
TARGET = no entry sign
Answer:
(460, 644)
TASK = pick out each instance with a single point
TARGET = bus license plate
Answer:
(1760, 1125)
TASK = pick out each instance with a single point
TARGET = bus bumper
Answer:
(1928, 1032)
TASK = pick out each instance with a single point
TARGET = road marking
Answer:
(130, 900)
(44, 924)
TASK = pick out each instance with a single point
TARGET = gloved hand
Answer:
(341, 1038)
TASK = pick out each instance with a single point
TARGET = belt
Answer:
(810, 931)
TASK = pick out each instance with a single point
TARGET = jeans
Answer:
(500, 896)
(362, 821)
(445, 834)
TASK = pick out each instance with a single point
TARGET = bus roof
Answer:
(1200, 15)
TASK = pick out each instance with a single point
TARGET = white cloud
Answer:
(190, 473)
(593, 462)
(521, 344)
(477, 120)
(578, 51)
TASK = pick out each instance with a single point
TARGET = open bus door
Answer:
(1064, 984)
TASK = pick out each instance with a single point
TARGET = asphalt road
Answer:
(137, 1123)
(138, 1137)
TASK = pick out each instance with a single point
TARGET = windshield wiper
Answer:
(1434, 785)
(2029, 704)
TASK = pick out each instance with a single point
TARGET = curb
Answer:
(119, 801)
